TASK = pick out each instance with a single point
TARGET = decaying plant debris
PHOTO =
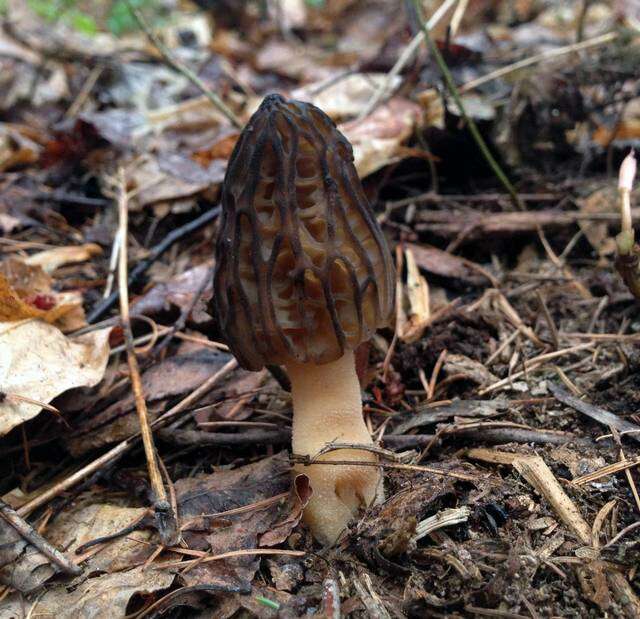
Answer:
(503, 404)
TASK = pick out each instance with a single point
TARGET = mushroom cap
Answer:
(303, 271)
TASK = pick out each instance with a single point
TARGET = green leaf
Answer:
(83, 23)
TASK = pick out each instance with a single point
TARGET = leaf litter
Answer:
(506, 407)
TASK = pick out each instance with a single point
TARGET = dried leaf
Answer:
(51, 259)
(38, 362)
(86, 521)
(100, 597)
(377, 138)
(443, 263)
(26, 292)
(603, 200)
(411, 325)
(171, 176)
(346, 97)
(201, 498)
(22, 566)
(179, 292)
(173, 376)
(301, 493)
(469, 368)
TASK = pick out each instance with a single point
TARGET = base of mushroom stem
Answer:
(340, 492)
(327, 409)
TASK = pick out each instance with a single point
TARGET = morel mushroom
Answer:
(303, 276)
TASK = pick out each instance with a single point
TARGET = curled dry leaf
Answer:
(51, 259)
(179, 292)
(101, 597)
(26, 292)
(87, 521)
(16, 149)
(602, 200)
(468, 368)
(38, 362)
(377, 138)
(346, 97)
(22, 566)
(413, 312)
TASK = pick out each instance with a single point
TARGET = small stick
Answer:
(154, 254)
(35, 539)
(165, 518)
(407, 54)
(473, 129)
(549, 320)
(434, 375)
(175, 64)
(560, 51)
(308, 461)
(599, 414)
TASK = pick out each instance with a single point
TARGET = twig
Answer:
(534, 364)
(407, 54)
(445, 518)
(308, 461)
(225, 439)
(154, 254)
(174, 63)
(473, 129)
(549, 320)
(599, 414)
(35, 539)
(560, 51)
(605, 471)
(249, 552)
(165, 518)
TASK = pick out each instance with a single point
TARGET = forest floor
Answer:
(504, 401)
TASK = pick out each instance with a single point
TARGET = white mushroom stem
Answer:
(327, 408)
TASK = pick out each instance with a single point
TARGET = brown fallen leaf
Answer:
(346, 97)
(171, 176)
(301, 493)
(179, 292)
(51, 259)
(444, 264)
(203, 501)
(38, 362)
(16, 149)
(174, 376)
(471, 369)
(102, 596)
(26, 292)
(377, 138)
(602, 200)
(22, 566)
(86, 521)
